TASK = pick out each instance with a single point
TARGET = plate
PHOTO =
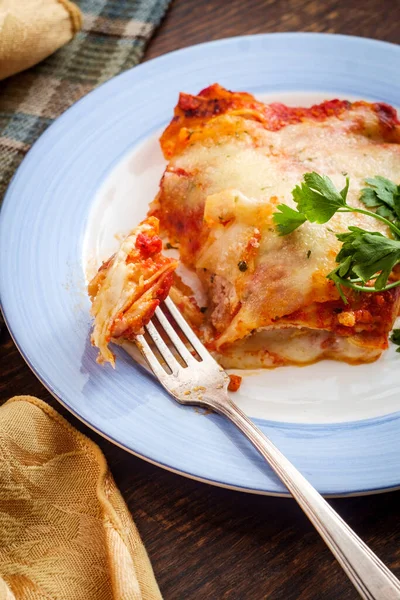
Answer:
(90, 177)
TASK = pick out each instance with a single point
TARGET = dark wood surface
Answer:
(207, 543)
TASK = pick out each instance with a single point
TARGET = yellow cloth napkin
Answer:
(31, 30)
(65, 531)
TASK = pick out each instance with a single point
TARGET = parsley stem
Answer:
(358, 279)
(363, 288)
(374, 215)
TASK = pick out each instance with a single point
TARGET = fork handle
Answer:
(369, 575)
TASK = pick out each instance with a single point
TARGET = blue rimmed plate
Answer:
(91, 176)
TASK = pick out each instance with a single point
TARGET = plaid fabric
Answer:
(113, 38)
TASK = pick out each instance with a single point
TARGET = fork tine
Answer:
(191, 336)
(162, 347)
(174, 337)
(151, 358)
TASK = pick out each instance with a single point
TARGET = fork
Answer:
(199, 380)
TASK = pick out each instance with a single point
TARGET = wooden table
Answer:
(207, 543)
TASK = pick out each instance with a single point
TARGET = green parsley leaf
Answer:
(367, 254)
(318, 199)
(288, 219)
(383, 188)
(369, 198)
(384, 195)
(345, 190)
(395, 337)
(385, 211)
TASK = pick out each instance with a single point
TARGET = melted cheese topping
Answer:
(233, 173)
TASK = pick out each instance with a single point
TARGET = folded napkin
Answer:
(65, 531)
(113, 38)
(31, 30)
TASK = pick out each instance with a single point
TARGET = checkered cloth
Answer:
(113, 38)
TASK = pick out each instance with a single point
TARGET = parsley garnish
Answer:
(383, 195)
(318, 199)
(366, 257)
(288, 219)
(395, 338)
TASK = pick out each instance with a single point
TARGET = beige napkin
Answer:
(65, 531)
(31, 30)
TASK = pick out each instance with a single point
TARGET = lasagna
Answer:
(128, 288)
(231, 161)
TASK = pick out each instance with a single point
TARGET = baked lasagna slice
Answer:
(232, 160)
(128, 288)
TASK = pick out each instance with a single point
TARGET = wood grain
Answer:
(194, 21)
(207, 543)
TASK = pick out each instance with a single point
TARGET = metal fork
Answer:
(201, 381)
